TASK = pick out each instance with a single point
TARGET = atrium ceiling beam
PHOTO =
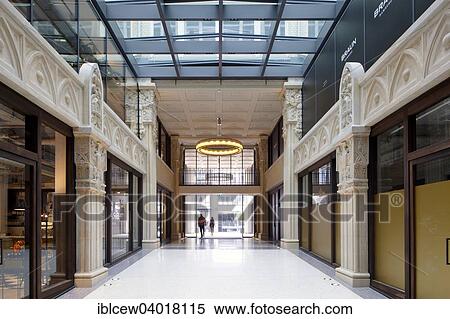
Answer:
(167, 32)
(160, 46)
(323, 10)
(221, 8)
(274, 31)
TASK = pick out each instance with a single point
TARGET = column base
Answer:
(90, 279)
(150, 244)
(354, 279)
(289, 243)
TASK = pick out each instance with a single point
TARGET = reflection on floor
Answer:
(216, 235)
(223, 268)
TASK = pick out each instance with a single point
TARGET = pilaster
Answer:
(262, 213)
(175, 151)
(91, 164)
(292, 131)
(148, 106)
(352, 157)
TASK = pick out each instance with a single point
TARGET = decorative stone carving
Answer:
(96, 99)
(148, 103)
(90, 159)
(123, 142)
(29, 65)
(292, 109)
(352, 159)
(319, 141)
(419, 60)
(346, 98)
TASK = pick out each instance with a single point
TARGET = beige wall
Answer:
(165, 176)
(274, 175)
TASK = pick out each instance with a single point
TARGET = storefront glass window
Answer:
(14, 231)
(389, 207)
(120, 214)
(53, 221)
(433, 125)
(12, 126)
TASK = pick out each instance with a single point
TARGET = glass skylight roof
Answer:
(220, 38)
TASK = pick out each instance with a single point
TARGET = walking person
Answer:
(212, 223)
(201, 225)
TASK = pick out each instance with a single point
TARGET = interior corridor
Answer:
(222, 268)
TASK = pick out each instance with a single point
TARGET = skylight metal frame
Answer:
(220, 43)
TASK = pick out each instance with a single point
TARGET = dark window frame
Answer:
(31, 156)
(329, 159)
(111, 159)
(164, 195)
(406, 116)
(274, 152)
(164, 154)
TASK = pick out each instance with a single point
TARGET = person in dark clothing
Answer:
(201, 225)
(212, 223)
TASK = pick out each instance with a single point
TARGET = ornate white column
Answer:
(352, 157)
(91, 163)
(291, 135)
(131, 109)
(148, 106)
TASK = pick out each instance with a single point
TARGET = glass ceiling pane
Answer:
(256, 58)
(281, 59)
(247, 27)
(180, 28)
(139, 29)
(198, 58)
(300, 28)
(153, 59)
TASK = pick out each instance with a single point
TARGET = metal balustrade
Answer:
(219, 177)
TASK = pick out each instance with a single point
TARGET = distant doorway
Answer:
(232, 214)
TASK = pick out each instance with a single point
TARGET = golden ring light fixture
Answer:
(219, 146)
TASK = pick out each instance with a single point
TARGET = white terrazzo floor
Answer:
(218, 269)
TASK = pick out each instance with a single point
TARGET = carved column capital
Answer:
(352, 159)
(292, 106)
(91, 163)
(148, 103)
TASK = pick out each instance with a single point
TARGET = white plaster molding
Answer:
(416, 62)
(30, 66)
(292, 106)
(123, 142)
(101, 121)
(335, 125)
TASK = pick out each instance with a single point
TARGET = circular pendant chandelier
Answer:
(219, 146)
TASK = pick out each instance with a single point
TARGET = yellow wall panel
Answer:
(432, 220)
(389, 240)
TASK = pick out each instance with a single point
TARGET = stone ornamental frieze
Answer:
(346, 98)
(419, 60)
(30, 66)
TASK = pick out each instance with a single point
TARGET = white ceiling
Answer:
(247, 108)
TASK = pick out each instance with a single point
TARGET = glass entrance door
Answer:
(432, 226)
(14, 229)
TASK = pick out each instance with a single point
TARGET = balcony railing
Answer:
(221, 177)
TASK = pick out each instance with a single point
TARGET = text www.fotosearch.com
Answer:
(203, 309)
